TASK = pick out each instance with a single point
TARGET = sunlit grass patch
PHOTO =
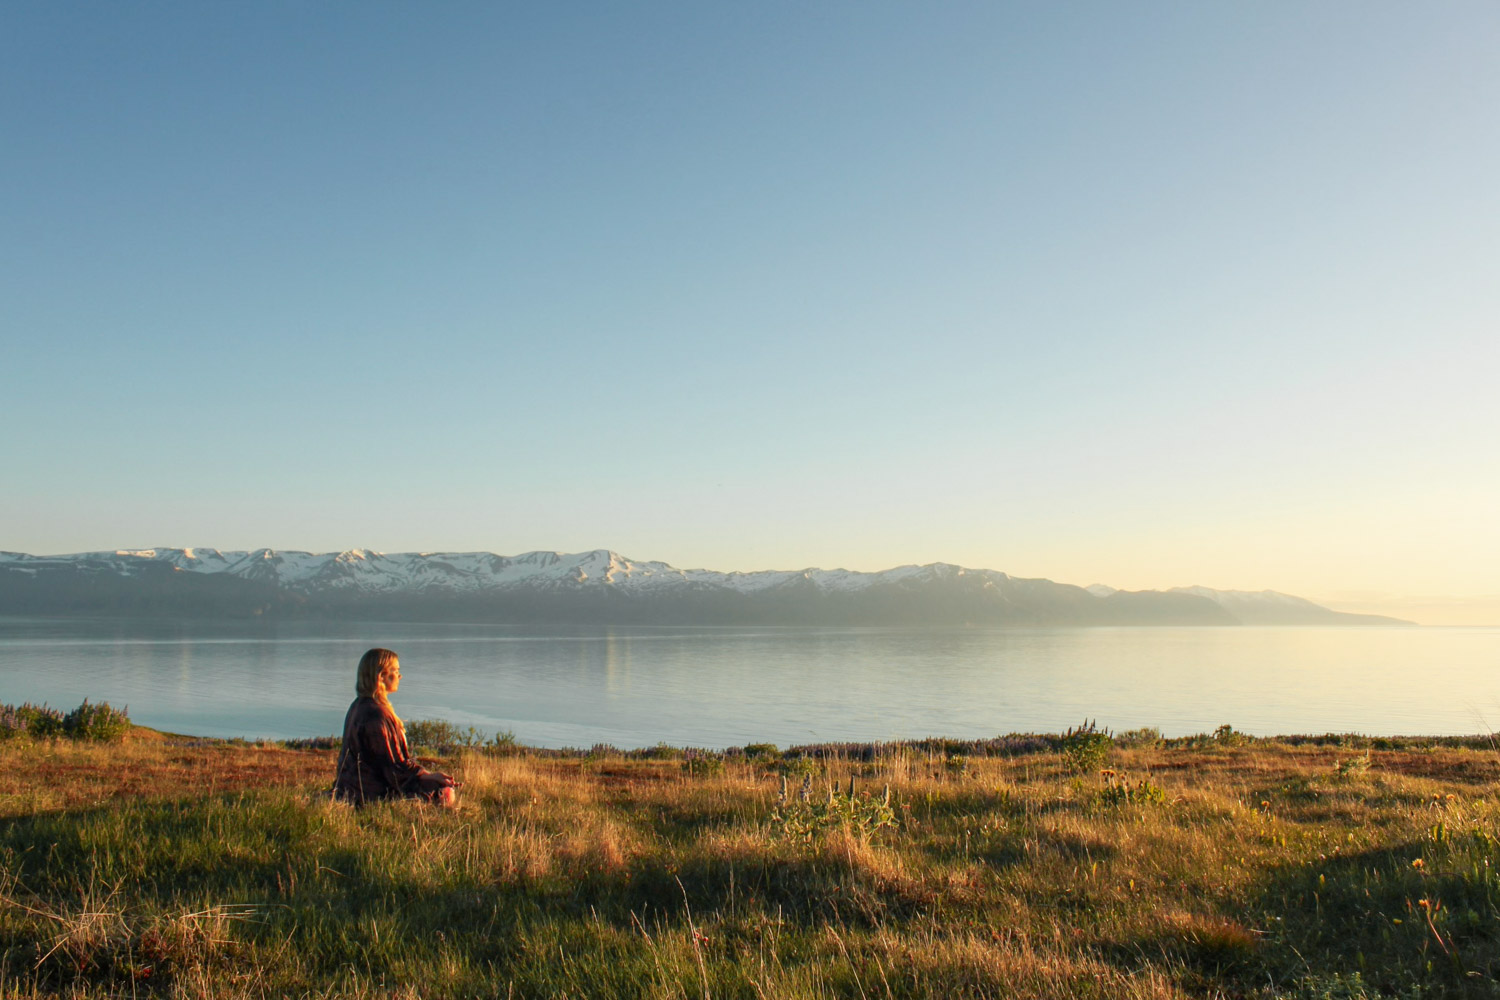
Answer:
(164, 867)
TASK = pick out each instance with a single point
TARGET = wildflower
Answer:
(1425, 904)
(1418, 864)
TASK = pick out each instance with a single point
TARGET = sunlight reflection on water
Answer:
(562, 686)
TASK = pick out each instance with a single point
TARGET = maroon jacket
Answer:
(375, 763)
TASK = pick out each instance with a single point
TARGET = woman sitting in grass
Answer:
(375, 762)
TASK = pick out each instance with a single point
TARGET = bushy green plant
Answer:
(1086, 748)
(763, 753)
(803, 817)
(12, 724)
(86, 722)
(1352, 767)
(1144, 737)
(702, 763)
(30, 720)
(1119, 790)
(96, 722)
(1227, 736)
(957, 765)
(430, 734)
(799, 767)
(441, 736)
(604, 751)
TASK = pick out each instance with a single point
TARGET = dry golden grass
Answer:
(196, 869)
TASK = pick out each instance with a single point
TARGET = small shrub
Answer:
(1352, 767)
(799, 767)
(765, 753)
(86, 722)
(702, 763)
(37, 721)
(801, 818)
(96, 722)
(1227, 736)
(957, 765)
(442, 736)
(430, 733)
(12, 722)
(1118, 790)
(1145, 737)
(1086, 748)
(314, 743)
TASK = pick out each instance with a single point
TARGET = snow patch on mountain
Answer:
(370, 571)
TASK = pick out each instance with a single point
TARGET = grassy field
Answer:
(164, 866)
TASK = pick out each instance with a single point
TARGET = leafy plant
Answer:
(801, 817)
(1227, 736)
(601, 751)
(442, 736)
(1118, 790)
(1352, 767)
(96, 722)
(800, 767)
(702, 763)
(86, 722)
(767, 753)
(1146, 736)
(30, 720)
(1086, 748)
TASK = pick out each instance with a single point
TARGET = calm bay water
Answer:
(716, 687)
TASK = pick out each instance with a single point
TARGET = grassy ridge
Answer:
(193, 868)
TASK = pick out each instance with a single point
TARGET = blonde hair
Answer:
(371, 666)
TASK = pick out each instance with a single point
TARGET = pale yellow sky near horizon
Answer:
(1446, 611)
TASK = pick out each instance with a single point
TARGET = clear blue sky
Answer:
(1146, 294)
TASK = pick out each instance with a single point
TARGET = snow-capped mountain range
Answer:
(600, 585)
(381, 572)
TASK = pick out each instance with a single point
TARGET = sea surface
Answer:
(716, 687)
